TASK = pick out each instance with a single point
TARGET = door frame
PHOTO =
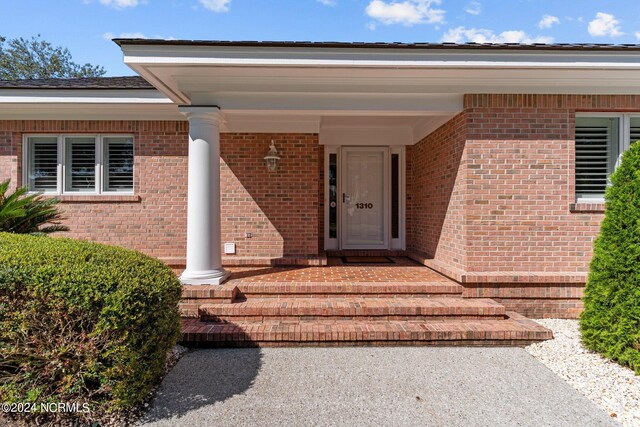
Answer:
(335, 243)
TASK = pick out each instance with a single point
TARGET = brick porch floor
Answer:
(403, 270)
(401, 303)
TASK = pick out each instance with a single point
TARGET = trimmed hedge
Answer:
(83, 322)
(610, 323)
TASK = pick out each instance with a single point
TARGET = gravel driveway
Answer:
(368, 386)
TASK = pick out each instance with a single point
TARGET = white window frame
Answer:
(624, 137)
(26, 163)
(101, 168)
(62, 163)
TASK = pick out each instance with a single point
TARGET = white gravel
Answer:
(173, 356)
(614, 388)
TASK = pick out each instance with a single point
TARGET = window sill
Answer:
(99, 198)
(584, 207)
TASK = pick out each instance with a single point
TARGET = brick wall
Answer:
(280, 209)
(8, 156)
(520, 177)
(436, 193)
(534, 300)
(513, 174)
(155, 221)
(492, 190)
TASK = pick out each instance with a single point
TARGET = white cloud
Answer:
(481, 35)
(109, 36)
(548, 21)
(328, 2)
(217, 6)
(605, 25)
(474, 8)
(408, 12)
(120, 4)
(637, 34)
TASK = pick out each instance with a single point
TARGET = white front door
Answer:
(365, 204)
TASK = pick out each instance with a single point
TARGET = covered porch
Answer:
(394, 155)
(362, 112)
(356, 106)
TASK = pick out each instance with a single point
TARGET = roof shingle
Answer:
(381, 45)
(128, 82)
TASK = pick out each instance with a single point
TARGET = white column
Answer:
(204, 257)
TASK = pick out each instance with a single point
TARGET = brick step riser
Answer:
(303, 318)
(230, 311)
(219, 342)
(349, 295)
(335, 309)
(352, 288)
(513, 330)
(190, 308)
(189, 313)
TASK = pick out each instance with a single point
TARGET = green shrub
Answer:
(83, 322)
(25, 213)
(610, 323)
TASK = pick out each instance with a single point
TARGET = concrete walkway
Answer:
(368, 387)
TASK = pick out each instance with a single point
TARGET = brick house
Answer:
(485, 163)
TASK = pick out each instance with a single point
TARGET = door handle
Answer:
(346, 198)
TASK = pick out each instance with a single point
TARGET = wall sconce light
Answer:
(272, 159)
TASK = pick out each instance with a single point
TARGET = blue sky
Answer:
(85, 26)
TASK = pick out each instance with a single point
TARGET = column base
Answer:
(209, 277)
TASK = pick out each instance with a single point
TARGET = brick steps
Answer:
(195, 295)
(347, 306)
(251, 290)
(513, 330)
(353, 308)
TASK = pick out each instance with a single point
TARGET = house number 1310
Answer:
(364, 205)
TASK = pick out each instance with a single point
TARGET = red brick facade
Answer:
(490, 196)
(154, 220)
(436, 194)
(520, 172)
(279, 209)
(493, 200)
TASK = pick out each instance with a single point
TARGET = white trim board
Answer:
(292, 55)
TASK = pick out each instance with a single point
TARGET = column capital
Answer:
(206, 113)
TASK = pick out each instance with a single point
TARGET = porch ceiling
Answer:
(291, 99)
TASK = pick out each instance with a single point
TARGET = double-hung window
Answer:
(600, 141)
(79, 164)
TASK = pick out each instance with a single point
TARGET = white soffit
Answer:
(237, 75)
